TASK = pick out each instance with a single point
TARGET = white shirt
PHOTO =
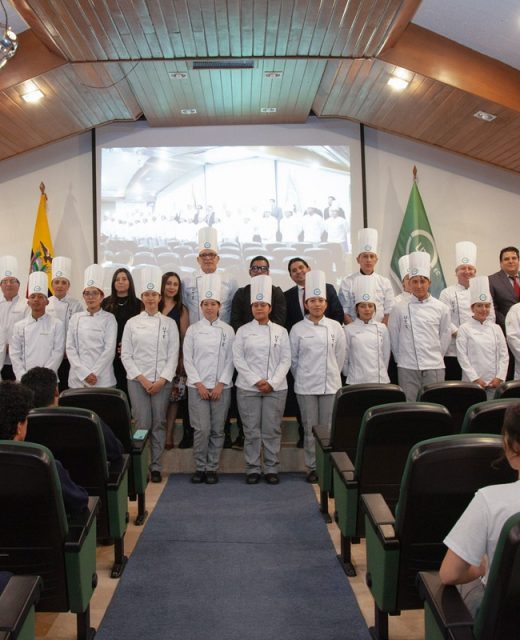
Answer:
(91, 346)
(150, 347)
(10, 313)
(313, 228)
(64, 309)
(513, 335)
(37, 343)
(420, 333)
(262, 352)
(290, 228)
(477, 531)
(384, 295)
(208, 353)
(190, 296)
(367, 352)
(458, 299)
(336, 229)
(482, 351)
(318, 355)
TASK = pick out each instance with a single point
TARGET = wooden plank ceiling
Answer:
(99, 61)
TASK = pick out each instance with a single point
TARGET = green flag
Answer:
(416, 235)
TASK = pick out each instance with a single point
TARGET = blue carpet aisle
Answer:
(234, 561)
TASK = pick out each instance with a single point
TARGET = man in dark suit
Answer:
(504, 287)
(298, 267)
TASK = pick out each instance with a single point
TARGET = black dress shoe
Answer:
(211, 477)
(156, 477)
(272, 478)
(198, 477)
(253, 478)
(228, 443)
(312, 477)
(239, 443)
(187, 441)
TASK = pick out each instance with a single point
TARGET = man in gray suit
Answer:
(504, 287)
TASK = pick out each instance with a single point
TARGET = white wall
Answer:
(65, 168)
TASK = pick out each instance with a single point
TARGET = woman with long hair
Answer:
(123, 304)
(171, 306)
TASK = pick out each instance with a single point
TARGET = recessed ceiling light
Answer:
(273, 74)
(398, 84)
(484, 115)
(177, 75)
(188, 112)
(33, 96)
(268, 110)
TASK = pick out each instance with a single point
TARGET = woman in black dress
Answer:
(124, 304)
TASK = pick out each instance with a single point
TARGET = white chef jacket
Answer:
(318, 355)
(513, 335)
(262, 352)
(64, 309)
(384, 295)
(10, 313)
(190, 296)
(37, 343)
(458, 299)
(91, 346)
(367, 352)
(150, 347)
(420, 333)
(482, 350)
(208, 353)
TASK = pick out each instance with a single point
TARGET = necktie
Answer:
(516, 286)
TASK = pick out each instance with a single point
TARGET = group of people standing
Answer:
(256, 346)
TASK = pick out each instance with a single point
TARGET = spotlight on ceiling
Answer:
(33, 96)
(8, 44)
(484, 115)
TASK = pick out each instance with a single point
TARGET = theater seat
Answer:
(508, 389)
(387, 434)
(455, 395)
(350, 405)
(75, 438)
(111, 405)
(487, 417)
(17, 601)
(440, 479)
(39, 540)
(498, 617)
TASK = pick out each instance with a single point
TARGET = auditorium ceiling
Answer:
(209, 62)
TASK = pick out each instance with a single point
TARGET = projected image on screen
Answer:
(280, 202)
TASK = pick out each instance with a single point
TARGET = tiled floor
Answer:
(52, 626)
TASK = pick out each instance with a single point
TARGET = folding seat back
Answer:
(17, 601)
(455, 395)
(508, 389)
(487, 417)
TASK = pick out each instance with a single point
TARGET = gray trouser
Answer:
(208, 418)
(411, 380)
(315, 410)
(149, 412)
(261, 415)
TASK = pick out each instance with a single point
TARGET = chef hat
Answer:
(404, 266)
(150, 279)
(9, 267)
(261, 289)
(419, 264)
(367, 241)
(208, 239)
(94, 276)
(209, 287)
(364, 289)
(61, 267)
(315, 286)
(479, 290)
(38, 283)
(465, 253)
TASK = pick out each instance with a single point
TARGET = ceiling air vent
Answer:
(236, 63)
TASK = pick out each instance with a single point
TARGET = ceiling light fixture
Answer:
(400, 79)
(188, 112)
(268, 110)
(33, 96)
(177, 75)
(484, 115)
(273, 74)
(8, 44)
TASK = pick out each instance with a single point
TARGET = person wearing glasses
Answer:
(92, 337)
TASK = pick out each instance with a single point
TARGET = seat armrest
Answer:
(446, 605)
(117, 471)
(343, 465)
(322, 434)
(80, 525)
(381, 518)
(20, 594)
(138, 444)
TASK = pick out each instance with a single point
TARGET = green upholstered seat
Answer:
(455, 395)
(487, 417)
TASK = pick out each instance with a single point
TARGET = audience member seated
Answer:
(16, 401)
(44, 385)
